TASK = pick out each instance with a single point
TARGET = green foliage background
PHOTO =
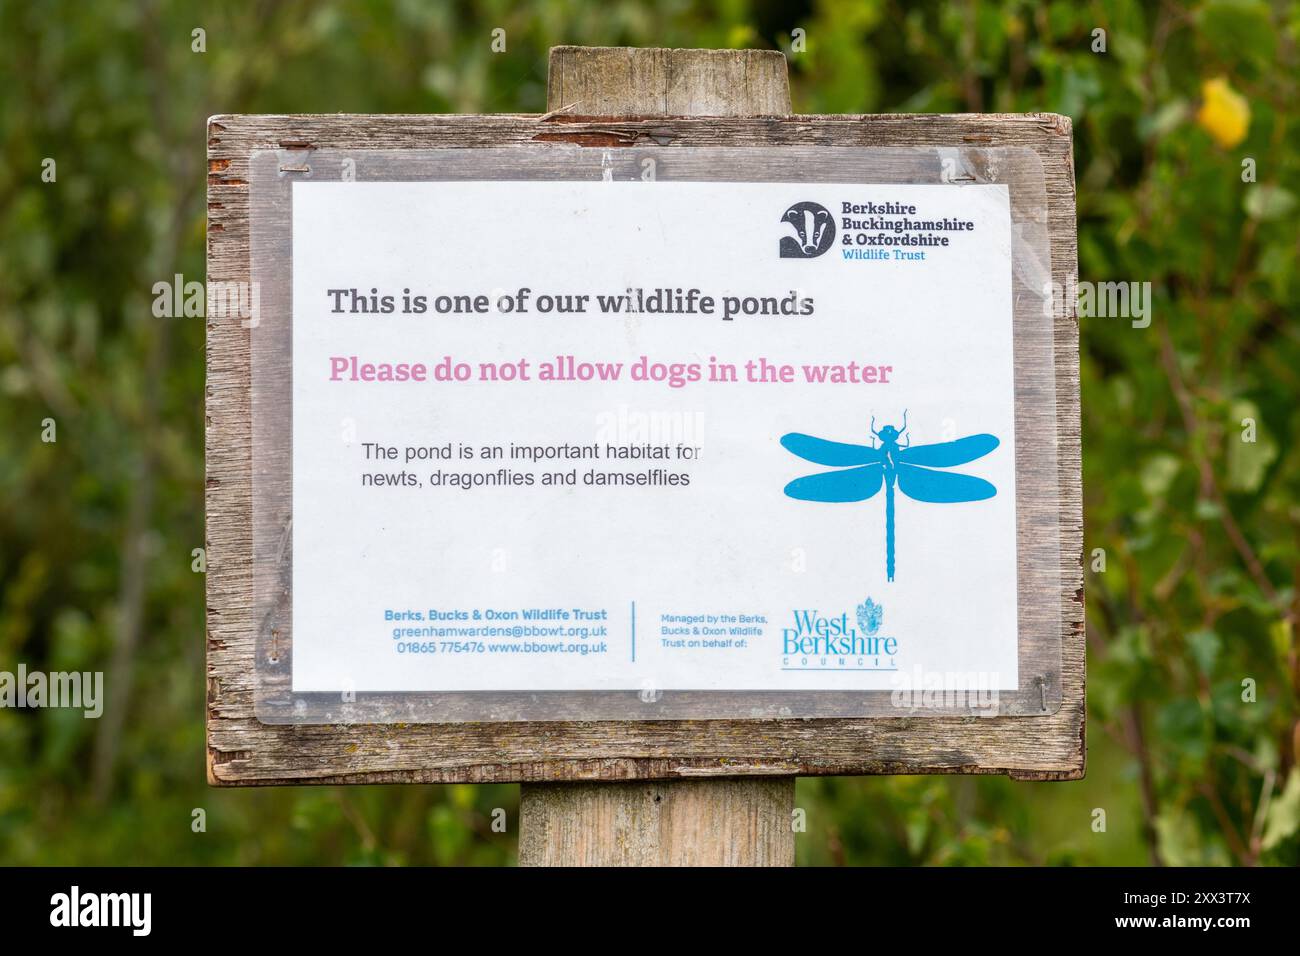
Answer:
(1200, 529)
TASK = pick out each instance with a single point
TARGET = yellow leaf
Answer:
(741, 36)
(1224, 113)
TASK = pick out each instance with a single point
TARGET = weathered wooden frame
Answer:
(242, 750)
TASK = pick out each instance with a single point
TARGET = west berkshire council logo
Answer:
(814, 230)
(831, 641)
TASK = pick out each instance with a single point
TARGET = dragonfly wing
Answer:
(942, 486)
(852, 484)
(833, 453)
(950, 453)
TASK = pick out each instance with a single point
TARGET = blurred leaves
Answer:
(1283, 819)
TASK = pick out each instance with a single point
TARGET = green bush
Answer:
(1190, 491)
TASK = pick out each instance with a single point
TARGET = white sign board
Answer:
(571, 436)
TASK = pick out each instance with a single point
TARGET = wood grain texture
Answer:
(734, 822)
(661, 823)
(242, 751)
(629, 81)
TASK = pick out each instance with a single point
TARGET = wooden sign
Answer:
(610, 445)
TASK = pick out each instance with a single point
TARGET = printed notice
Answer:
(617, 435)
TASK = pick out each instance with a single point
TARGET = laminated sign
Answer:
(599, 436)
(545, 432)
(752, 441)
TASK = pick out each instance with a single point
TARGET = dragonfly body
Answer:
(865, 469)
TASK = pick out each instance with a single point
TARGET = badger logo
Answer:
(814, 231)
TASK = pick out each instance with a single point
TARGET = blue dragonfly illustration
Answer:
(864, 468)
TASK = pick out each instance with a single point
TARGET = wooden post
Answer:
(730, 822)
(737, 822)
